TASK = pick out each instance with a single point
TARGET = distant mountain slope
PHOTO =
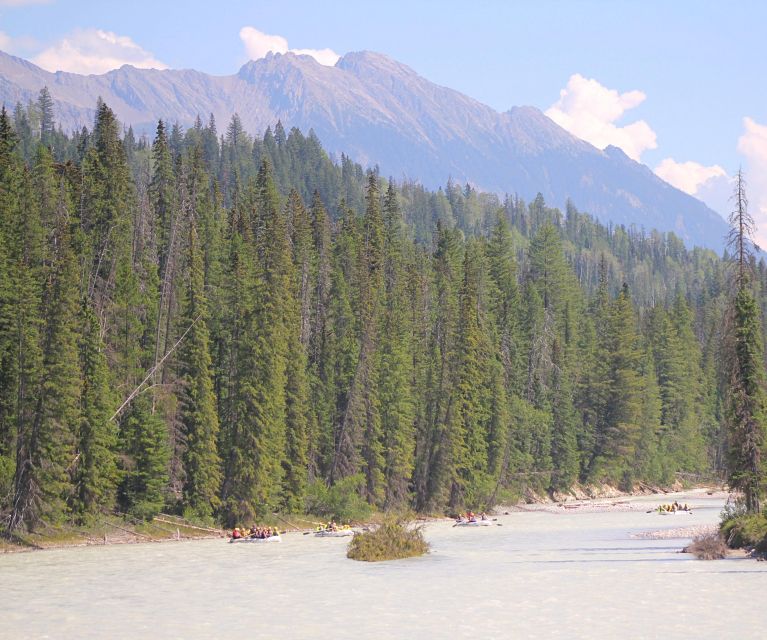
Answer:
(379, 111)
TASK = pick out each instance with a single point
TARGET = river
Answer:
(542, 574)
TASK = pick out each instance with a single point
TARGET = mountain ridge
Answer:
(379, 111)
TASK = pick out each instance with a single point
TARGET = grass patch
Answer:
(709, 546)
(393, 540)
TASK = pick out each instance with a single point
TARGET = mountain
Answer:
(379, 111)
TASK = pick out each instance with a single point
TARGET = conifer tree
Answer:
(677, 361)
(620, 423)
(564, 445)
(238, 318)
(297, 322)
(258, 351)
(434, 470)
(47, 122)
(49, 380)
(505, 302)
(343, 352)
(746, 402)
(143, 445)
(197, 403)
(361, 422)
(162, 193)
(320, 427)
(396, 347)
(95, 473)
(10, 212)
(471, 402)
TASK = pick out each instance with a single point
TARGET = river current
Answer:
(540, 574)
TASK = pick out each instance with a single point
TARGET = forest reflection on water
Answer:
(544, 574)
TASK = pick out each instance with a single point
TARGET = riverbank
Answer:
(118, 530)
(108, 530)
(604, 497)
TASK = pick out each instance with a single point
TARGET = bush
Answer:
(709, 546)
(393, 540)
(341, 502)
(746, 531)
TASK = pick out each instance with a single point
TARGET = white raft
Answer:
(276, 538)
(340, 533)
(474, 523)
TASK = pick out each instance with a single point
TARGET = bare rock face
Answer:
(380, 112)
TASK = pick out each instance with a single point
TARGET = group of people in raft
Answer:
(268, 532)
(671, 508)
(470, 516)
(255, 532)
(332, 526)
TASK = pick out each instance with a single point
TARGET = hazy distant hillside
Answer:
(379, 111)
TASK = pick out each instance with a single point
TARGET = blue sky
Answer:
(670, 82)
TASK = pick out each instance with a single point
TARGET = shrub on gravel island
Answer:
(709, 546)
(393, 540)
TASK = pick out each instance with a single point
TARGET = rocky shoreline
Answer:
(580, 499)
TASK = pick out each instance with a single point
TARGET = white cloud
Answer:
(590, 110)
(688, 176)
(328, 57)
(710, 185)
(713, 186)
(258, 44)
(89, 51)
(6, 44)
(717, 194)
(753, 145)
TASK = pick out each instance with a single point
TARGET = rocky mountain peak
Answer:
(381, 112)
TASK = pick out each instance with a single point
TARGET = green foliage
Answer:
(297, 411)
(179, 331)
(143, 461)
(746, 531)
(197, 407)
(392, 540)
(95, 474)
(746, 401)
(341, 502)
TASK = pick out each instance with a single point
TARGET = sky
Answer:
(679, 86)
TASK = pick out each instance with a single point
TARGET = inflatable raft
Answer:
(339, 533)
(474, 523)
(276, 538)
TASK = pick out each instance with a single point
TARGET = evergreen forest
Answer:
(220, 326)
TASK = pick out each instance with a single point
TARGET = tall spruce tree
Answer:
(197, 402)
(95, 472)
(47, 413)
(746, 402)
(395, 390)
(297, 321)
(10, 217)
